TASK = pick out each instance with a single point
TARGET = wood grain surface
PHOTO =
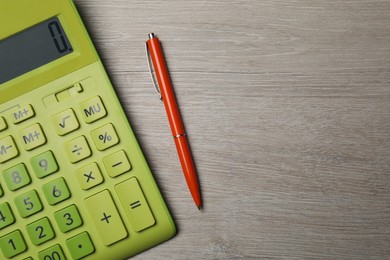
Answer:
(287, 109)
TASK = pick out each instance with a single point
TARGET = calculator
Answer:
(74, 183)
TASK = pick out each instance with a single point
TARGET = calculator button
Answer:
(77, 149)
(65, 122)
(89, 176)
(22, 113)
(32, 137)
(44, 164)
(28, 204)
(16, 177)
(13, 244)
(105, 217)
(6, 216)
(104, 137)
(3, 124)
(53, 253)
(117, 163)
(68, 218)
(40, 231)
(56, 191)
(8, 149)
(80, 246)
(135, 205)
(92, 110)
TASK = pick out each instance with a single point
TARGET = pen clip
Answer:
(151, 73)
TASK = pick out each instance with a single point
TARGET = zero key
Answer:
(105, 217)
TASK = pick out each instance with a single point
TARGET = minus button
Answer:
(117, 163)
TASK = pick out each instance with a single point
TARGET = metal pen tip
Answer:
(151, 35)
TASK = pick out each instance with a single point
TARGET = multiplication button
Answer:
(89, 176)
(105, 217)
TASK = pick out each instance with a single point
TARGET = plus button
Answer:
(106, 217)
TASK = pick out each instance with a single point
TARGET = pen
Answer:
(166, 93)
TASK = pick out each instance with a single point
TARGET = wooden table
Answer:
(287, 109)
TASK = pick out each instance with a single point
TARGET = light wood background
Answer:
(287, 109)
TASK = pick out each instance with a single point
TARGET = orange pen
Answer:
(168, 96)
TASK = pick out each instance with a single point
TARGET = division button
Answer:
(77, 149)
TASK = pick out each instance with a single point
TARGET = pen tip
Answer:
(199, 207)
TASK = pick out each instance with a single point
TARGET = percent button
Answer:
(105, 137)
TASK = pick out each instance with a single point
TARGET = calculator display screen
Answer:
(32, 48)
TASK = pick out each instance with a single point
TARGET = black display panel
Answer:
(32, 48)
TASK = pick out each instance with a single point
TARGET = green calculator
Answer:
(74, 183)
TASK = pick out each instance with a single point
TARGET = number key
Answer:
(40, 231)
(56, 191)
(6, 217)
(28, 203)
(12, 244)
(16, 177)
(68, 218)
(52, 253)
(44, 164)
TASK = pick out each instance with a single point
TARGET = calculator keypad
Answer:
(44, 164)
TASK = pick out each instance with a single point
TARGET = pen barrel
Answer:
(166, 89)
(187, 164)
